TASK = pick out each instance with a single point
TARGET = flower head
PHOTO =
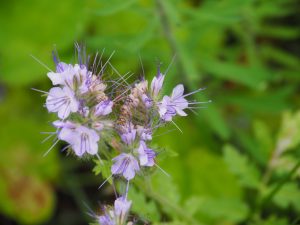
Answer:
(126, 165)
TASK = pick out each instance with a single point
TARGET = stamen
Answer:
(177, 126)
(41, 63)
(44, 92)
(46, 153)
(168, 175)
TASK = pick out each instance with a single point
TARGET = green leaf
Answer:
(213, 210)
(272, 220)
(260, 101)
(166, 191)
(280, 56)
(247, 173)
(288, 195)
(201, 182)
(177, 222)
(289, 133)
(253, 77)
(283, 32)
(264, 138)
(142, 206)
(103, 167)
(216, 121)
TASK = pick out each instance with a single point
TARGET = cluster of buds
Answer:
(93, 108)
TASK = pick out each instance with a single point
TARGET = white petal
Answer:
(180, 112)
(56, 78)
(64, 111)
(177, 91)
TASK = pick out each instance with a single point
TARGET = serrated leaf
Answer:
(201, 182)
(288, 195)
(143, 207)
(247, 174)
(214, 210)
(103, 167)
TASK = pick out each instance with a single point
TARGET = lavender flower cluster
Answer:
(94, 108)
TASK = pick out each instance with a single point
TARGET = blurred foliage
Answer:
(237, 162)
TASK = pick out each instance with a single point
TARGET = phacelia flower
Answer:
(157, 83)
(75, 77)
(62, 101)
(116, 215)
(64, 74)
(146, 155)
(122, 207)
(126, 165)
(170, 106)
(103, 108)
(147, 101)
(128, 134)
(106, 219)
(144, 133)
(81, 138)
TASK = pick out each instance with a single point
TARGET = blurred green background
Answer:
(237, 160)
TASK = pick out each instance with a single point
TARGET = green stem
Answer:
(271, 195)
(185, 67)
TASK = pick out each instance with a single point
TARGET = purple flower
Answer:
(61, 67)
(147, 101)
(128, 134)
(122, 207)
(146, 155)
(62, 101)
(64, 74)
(116, 215)
(126, 165)
(84, 78)
(71, 76)
(170, 106)
(103, 108)
(106, 219)
(157, 83)
(64, 124)
(144, 133)
(82, 139)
